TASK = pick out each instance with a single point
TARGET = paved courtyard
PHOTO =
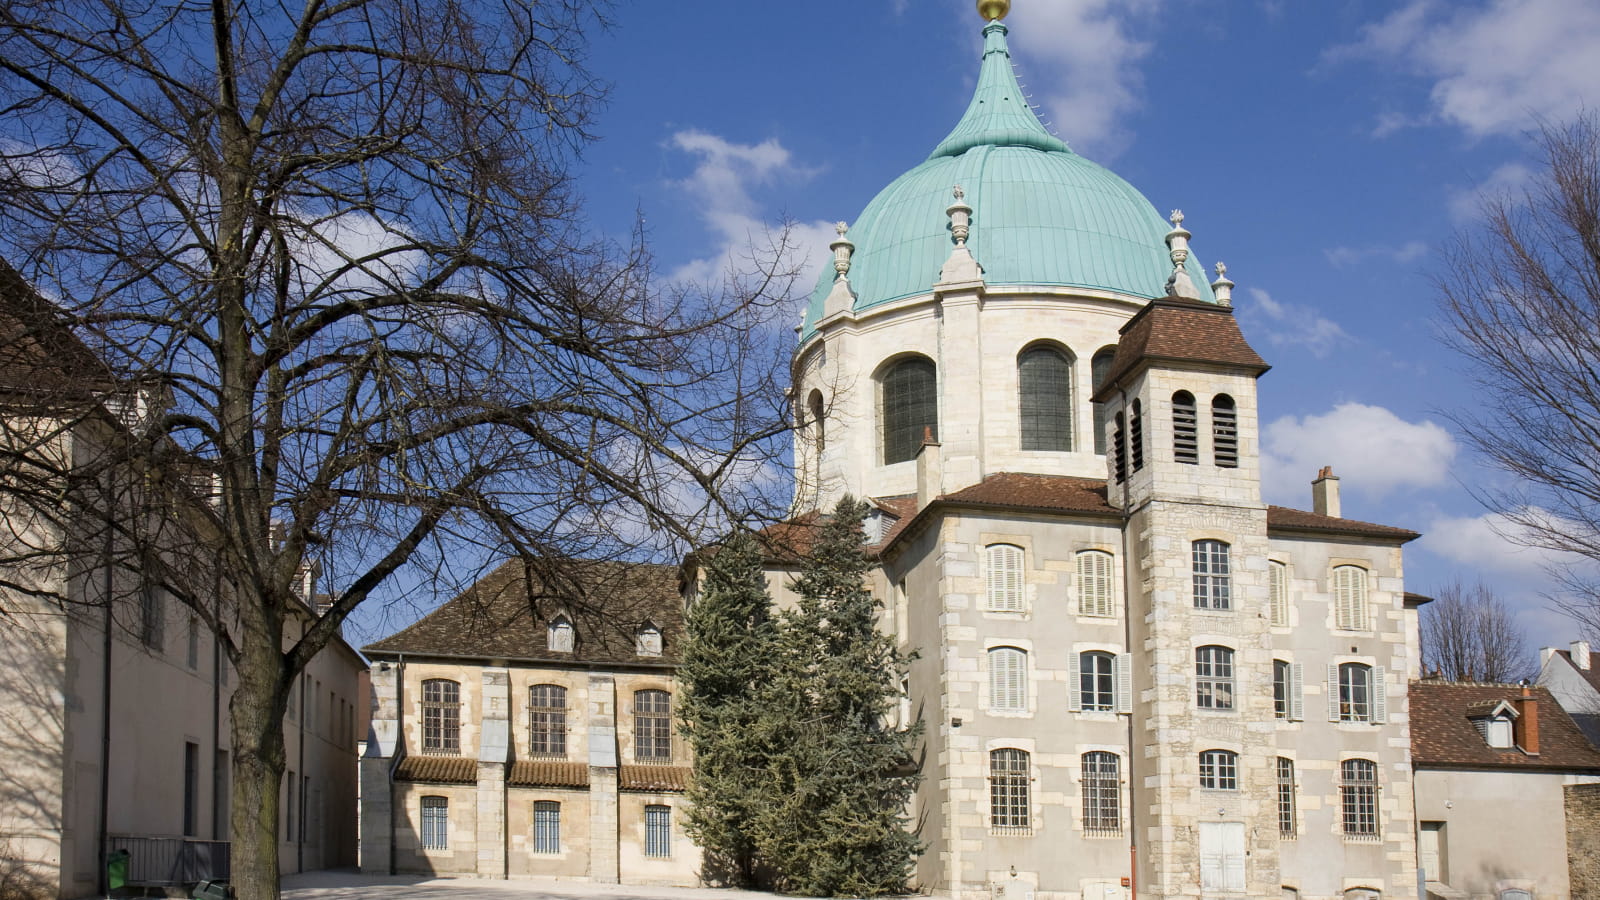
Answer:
(352, 886)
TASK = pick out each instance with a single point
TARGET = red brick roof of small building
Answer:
(1443, 736)
(548, 773)
(653, 778)
(437, 769)
(1183, 331)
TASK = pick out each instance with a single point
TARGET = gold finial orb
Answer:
(993, 10)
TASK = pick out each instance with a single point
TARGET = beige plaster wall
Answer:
(1480, 810)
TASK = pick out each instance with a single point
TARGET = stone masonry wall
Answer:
(1583, 839)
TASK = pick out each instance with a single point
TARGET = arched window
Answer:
(652, 726)
(1044, 380)
(1003, 564)
(1095, 584)
(1213, 677)
(818, 421)
(1097, 679)
(1286, 817)
(1219, 770)
(1350, 598)
(1185, 425)
(1225, 431)
(1099, 369)
(1136, 435)
(1355, 693)
(546, 826)
(559, 636)
(1102, 794)
(1358, 798)
(1213, 587)
(547, 720)
(1008, 679)
(441, 716)
(910, 407)
(1009, 804)
(1278, 579)
(647, 642)
(1119, 449)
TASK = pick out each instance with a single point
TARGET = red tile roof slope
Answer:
(1188, 331)
(653, 778)
(1281, 517)
(438, 769)
(548, 773)
(1443, 737)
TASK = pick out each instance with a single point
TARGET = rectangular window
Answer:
(658, 832)
(1102, 807)
(441, 716)
(1004, 564)
(1278, 575)
(1213, 587)
(1213, 678)
(547, 720)
(435, 823)
(546, 826)
(192, 656)
(288, 806)
(1280, 688)
(1286, 816)
(1219, 770)
(191, 789)
(1095, 584)
(152, 617)
(1008, 679)
(652, 727)
(1009, 797)
(1358, 798)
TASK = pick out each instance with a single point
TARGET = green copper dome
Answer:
(1042, 215)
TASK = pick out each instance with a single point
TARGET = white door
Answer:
(1428, 851)
(1222, 856)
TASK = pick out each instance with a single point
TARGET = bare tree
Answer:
(322, 271)
(1520, 299)
(1468, 634)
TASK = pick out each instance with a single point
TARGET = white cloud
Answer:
(1487, 543)
(1370, 448)
(1292, 325)
(1496, 66)
(1505, 182)
(1411, 251)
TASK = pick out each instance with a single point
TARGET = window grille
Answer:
(435, 823)
(1358, 795)
(652, 727)
(1213, 586)
(1004, 564)
(1355, 693)
(1219, 770)
(547, 721)
(1350, 598)
(1185, 429)
(1044, 379)
(1286, 818)
(1278, 578)
(1009, 811)
(1213, 678)
(441, 716)
(1224, 432)
(1097, 681)
(1008, 679)
(910, 408)
(1136, 435)
(1096, 584)
(546, 826)
(1102, 795)
(658, 832)
(1280, 688)
(1099, 369)
(1119, 449)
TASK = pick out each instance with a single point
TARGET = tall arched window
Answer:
(1225, 431)
(818, 421)
(1003, 565)
(1044, 379)
(910, 407)
(1136, 435)
(1350, 598)
(1009, 811)
(652, 726)
(1008, 679)
(1213, 677)
(1286, 801)
(1185, 429)
(547, 720)
(1099, 369)
(1095, 584)
(441, 716)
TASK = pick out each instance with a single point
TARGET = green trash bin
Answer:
(117, 869)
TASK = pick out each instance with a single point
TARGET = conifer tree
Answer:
(726, 661)
(833, 817)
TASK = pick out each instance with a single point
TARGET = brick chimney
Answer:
(1580, 654)
(930, 470)
(1325, 493)
(1525, 730)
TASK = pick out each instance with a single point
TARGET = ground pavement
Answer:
(351, 886)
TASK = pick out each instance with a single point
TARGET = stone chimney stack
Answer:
(1325, 493)
(1580, 654)
(930, 470)
(1526, 727)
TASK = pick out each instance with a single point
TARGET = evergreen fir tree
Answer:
(833, 815)
(726, 661)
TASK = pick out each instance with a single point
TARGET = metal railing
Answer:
(171, 860)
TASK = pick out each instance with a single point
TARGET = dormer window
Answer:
(1499, 734)
(648, 641)
(1494, 721)
(560, 636)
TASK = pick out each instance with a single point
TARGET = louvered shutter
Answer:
(1124, 669)
(1380, 695)
(1074, 682)
(1297, 686)
(1094, 584)
(1005, 578)
(1008, 679)
(1280, 593)
(1333, 693)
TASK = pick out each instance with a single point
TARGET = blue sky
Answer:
(1325, 151)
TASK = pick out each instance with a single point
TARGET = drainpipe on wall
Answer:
(300, 826)
(105, 716)
(1127, 640)
(220, 781)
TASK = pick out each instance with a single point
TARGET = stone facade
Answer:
(1582, 803)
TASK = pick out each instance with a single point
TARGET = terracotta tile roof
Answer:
(438, 769)
(1020, 489)
(506, 615)
(1281, 517)
(1442, 735)
(653, 778)
(548, 773)
(1591, 674)
(790, 540)
(1188, 331)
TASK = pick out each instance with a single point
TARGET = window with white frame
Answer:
(1287, 828)
(547, 720)
(1213, 677)
(652, 726)
(1003, 563)
(1096, 584)
(435, 823)
(1097, 681)
(1280, 688)
(1185, 424)
(1350, 598)
(1009, 811)
(1498, 733)
(1008, 679)
(1355, 692)
(1278, 580)
(546, 826)
(1219, 770)
(1213, 588)
(560, 637)
(1358, 798)
(1102, 794)
(441, 716)
(658, 831)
